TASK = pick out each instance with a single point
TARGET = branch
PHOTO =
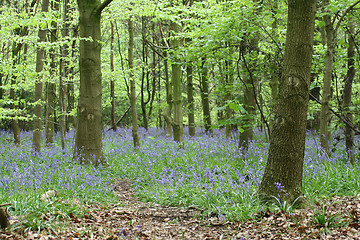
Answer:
(255, 95)
(344, 14)
(102, 6)
(357, 131)
(122, 117)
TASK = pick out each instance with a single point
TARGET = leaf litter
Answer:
(334, 218)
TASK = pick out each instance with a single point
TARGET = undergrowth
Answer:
(207, 172)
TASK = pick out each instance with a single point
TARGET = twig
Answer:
(5, 204)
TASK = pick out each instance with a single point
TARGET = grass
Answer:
(208, 172)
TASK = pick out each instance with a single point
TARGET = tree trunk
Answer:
(51, 88)
(176, 82)
(145, 74)
(349, 133)
(71, 119)
(16, 59)
(205, 96)
(169, 98)
(88, 141)
(37, 124)
(135, 131)
(287, 143)
(229, 76)
(64, 74)
(326, 92)
(112, 84)
(247, 123)
(275, 70)
(4, 219)
(190, 98)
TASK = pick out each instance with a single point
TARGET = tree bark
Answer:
(145, 74)
(326, 91)
(112, 84)
(205, 96)
(169, 99)
(275, 70)
(176, 84)
(229, 76)
(287, 143)
(51, 87)
(190, 98)
(247, 123)
(88, 141)
(349, 133)
(16, 48)
(37, 123)
(135, 131)
(4, 219)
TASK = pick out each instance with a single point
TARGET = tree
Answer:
(284, 168)
(326, 91)
(204, 87)
(176, 85)
(88, 141)
(37, 124)
(190, 99)
(50, 85)
(135, 131)
(112, 82)
(349, 133)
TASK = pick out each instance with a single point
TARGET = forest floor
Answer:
(336, 218)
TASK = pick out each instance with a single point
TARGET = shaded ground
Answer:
(337, 218)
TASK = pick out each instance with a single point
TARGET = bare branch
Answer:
(102, 6)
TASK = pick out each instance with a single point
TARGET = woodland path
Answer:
(133, 219)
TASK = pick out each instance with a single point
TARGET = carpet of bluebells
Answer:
(207, 172)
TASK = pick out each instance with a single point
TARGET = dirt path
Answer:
(132, 219)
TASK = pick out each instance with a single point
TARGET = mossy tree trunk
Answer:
(287, 143)
(88, 140)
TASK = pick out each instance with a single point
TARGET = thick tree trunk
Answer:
(176, 82)
(287, 143)
(190, 98)
(37, 123)
(205, 95)
(112, 84)
(326, 91)
(349, 133)
(88, 141)
(135, 131)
